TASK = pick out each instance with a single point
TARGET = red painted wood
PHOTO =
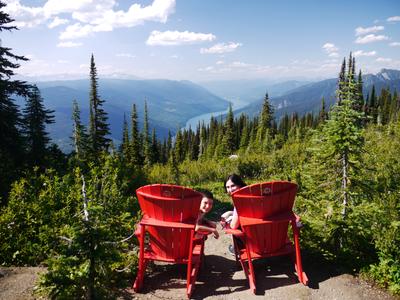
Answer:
(169, 216)
(265, 212)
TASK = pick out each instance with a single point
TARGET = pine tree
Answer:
(99, 128)
(359, 100)
(146, 137)
(12, 144)
(169, 144)
(79, 135)
(135, 139)
(229, 135)
(203, 140)
(322, 112)
(35, 118)
(125, 144)
(178, 147)
(373, 106)
(341, 90)
(343, 134)
(154, 148)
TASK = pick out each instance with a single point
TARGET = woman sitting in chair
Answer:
(231, 218)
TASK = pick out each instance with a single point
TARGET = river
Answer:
(193, 122)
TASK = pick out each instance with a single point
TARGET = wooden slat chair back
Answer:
(262, 201)
(265, 213)
(166, 231)
(169, 203)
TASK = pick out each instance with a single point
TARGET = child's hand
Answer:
(216, 234)
(223, 222)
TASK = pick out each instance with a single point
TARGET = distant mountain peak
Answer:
(388, 74)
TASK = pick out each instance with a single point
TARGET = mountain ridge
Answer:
(307, 98)
(170, 104)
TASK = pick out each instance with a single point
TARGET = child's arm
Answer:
(210, 223)
(227, 214)
(235, 220)
(207, 229)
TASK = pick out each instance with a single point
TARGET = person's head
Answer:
(233, 183)
(207, 201)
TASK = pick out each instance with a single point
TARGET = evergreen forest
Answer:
(75, 213)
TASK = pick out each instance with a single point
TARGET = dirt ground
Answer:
(222, 278)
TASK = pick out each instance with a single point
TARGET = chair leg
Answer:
(138, 283)
(252, 277)
(298, 264)
(192, 267)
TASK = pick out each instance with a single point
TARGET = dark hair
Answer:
(236, 179)
(206, 193)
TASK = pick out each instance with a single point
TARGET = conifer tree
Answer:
(135, 138)
(341, 90)
(99, 128)
(394, 107)
(173, 166)
(169, 144)
(154, 148)
(12, 144)
(202, 142)
(125, 144)
(244, 138)
(146, 137)
(343, 135)
(322, 112)
(373, 106)
(359, 101)
(35, 118)
(229, 135)
(178, 147)
(79, 135)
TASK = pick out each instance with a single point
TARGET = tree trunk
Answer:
(345, 166)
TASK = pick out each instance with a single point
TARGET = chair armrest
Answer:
(158, 223)
(235, 232)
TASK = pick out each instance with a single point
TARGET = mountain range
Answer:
(307, 98)
(172, 103)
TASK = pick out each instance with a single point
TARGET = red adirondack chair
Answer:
(265, 212)
(166, 231)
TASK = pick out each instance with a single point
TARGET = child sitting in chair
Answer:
(203, 224)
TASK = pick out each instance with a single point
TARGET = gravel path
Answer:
(222, 278)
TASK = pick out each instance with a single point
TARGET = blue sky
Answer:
(203, 40)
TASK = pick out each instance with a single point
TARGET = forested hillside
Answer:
(76, 213)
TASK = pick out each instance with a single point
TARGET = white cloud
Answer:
(57, 22)
(76, 31)
(394, 44)
(220, 48)
(331, 49)
(370, 38)
(362, 31)
(24, 16)
(68, 45)
(220, 62)
(55, 7)
(382, 59)
(239, 64)
(93, 16)
(128, 55)
(362, 53)
(393, 19)
(171, 38)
